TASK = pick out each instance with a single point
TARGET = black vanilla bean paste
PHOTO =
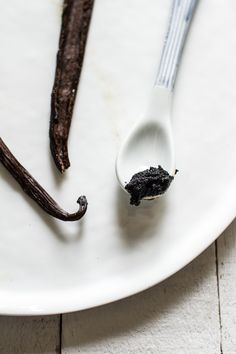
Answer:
(148, 183)
(34, 190)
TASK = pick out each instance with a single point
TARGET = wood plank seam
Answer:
(60, 333)
(218, 294)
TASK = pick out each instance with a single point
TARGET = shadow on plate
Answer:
(139, 223)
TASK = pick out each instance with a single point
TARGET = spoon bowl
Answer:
(150, 142)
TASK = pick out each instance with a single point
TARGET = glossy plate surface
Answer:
(47, 266)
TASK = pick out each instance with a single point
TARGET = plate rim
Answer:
(66, 307)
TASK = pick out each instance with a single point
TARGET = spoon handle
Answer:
(180, 19)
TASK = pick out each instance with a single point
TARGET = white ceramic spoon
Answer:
(150, 143)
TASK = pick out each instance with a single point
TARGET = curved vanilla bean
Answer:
(74, 29)
(33, 189)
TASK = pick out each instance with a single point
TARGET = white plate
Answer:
(47, 266)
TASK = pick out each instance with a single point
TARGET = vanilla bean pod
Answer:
(74, 29)
(33, 189)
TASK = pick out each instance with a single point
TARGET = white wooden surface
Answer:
(193, 312)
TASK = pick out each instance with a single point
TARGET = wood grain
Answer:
(30, 335)
(226, 249)
(178, 316)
